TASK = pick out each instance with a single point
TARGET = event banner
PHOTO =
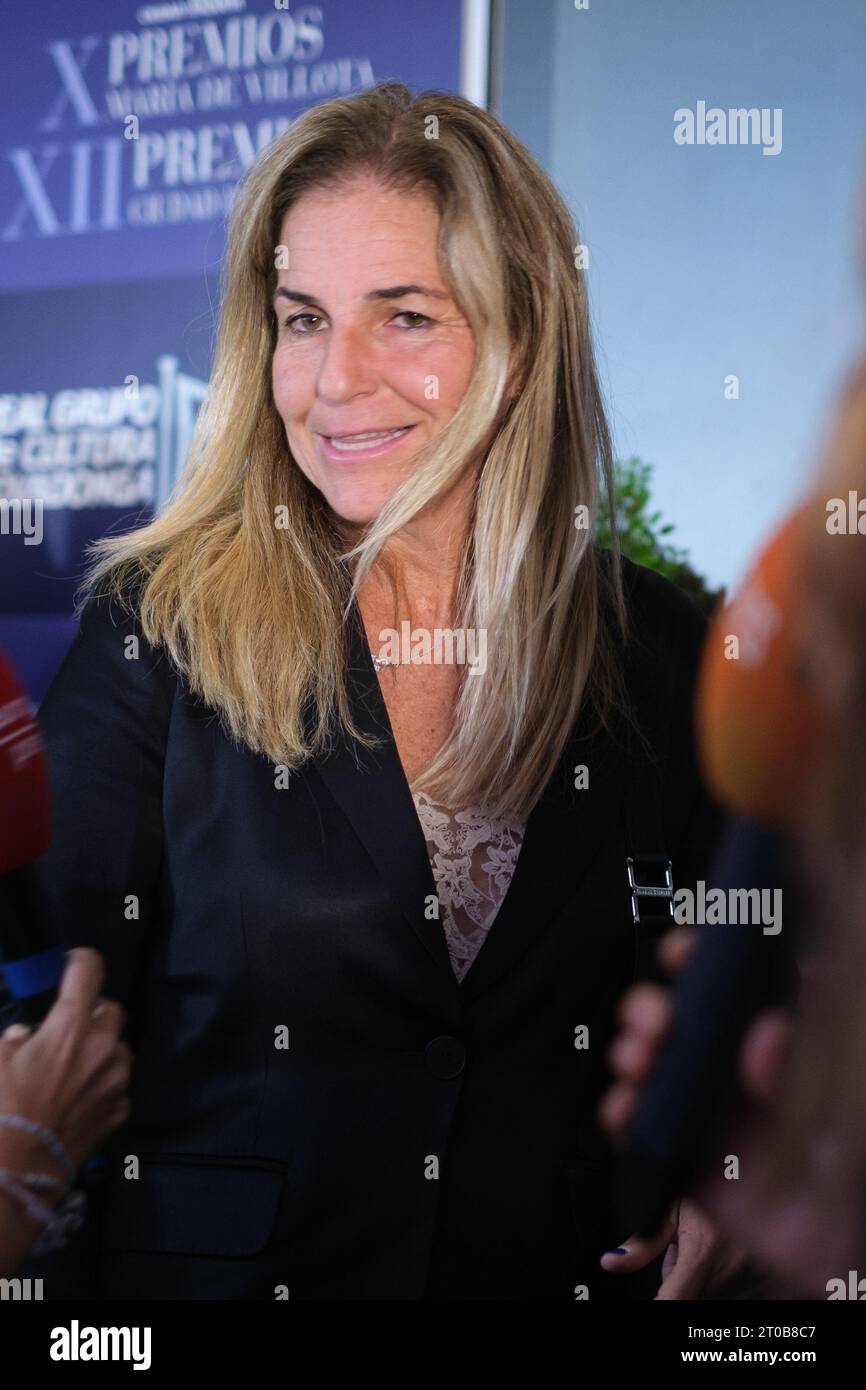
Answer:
(125, 130)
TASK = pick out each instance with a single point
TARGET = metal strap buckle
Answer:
(647, 890)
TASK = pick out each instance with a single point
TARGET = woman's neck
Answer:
(417, 572)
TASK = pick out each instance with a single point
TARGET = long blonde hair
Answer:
(253, 615)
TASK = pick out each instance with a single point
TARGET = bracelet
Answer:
(37, 1180)
(48, 1137)
(65, 1221)
(35, 1209)
(57, 1224)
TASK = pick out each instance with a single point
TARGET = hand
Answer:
(646, 1012)
(696, 1254)
(72, 1073)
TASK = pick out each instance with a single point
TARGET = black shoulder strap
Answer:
(648, 868)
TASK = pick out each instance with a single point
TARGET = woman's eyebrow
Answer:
(392, 292)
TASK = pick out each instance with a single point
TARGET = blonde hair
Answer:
(253, 616)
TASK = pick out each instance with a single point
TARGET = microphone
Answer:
(32, 960)
(759, 729)
(759, 725)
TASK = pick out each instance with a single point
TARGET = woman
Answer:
(371, 921)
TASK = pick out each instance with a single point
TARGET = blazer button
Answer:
(446, 1057)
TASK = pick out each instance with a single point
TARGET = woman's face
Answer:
(369, 340)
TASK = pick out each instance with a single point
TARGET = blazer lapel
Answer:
(563, 835)
(370, 787)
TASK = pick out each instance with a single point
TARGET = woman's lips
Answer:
(349, 448)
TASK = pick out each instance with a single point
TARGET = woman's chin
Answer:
(356, 511)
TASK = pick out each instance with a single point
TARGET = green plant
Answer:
(643, 536)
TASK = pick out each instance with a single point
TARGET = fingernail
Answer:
(620, 1250)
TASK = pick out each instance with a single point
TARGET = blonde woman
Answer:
(344, 754)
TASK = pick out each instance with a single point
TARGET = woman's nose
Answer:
(347, 365)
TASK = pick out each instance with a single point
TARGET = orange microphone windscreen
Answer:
(758, 722)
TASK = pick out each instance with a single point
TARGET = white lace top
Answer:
(473, 860)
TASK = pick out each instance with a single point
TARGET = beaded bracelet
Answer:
(48, 1137)
(36, 1210)
(58, 1223)
(36, 1180)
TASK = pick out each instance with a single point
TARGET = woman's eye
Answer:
(296, 318)
(410, 313)
(403, 314)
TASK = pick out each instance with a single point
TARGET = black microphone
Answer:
(736, 970)
(760, 730)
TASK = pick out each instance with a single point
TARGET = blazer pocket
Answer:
(195, 1206)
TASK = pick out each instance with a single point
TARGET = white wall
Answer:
(707, 259)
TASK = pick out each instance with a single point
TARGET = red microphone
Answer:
(25, 816)
(32, 961)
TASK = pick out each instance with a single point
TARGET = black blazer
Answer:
(417, 1138)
